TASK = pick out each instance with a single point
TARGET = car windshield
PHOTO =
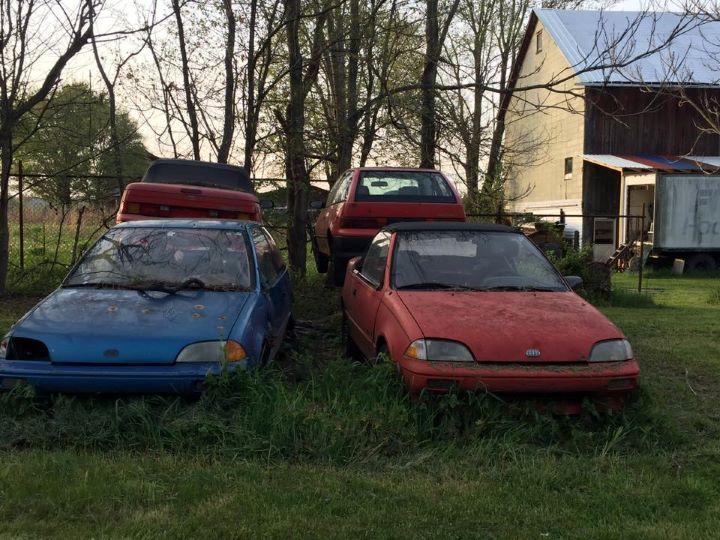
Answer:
(403, 186)
(471, 260)
(166, 259)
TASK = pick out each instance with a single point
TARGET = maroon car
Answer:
(366, 199)
(178, 188)
(475, 306)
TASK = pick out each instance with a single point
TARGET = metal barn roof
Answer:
(627, 48)
(647, 162)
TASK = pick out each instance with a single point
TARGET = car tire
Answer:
(350, 348)
(321, 260)
(700, 261)
(383, 354)
(336, 271)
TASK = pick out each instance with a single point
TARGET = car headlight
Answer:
(439, 350)
(612, 350)
(212, 351)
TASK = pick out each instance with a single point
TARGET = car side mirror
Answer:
(317, 205)
(267, 204)
(575, 282)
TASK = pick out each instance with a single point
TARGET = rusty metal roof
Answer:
(649, 162)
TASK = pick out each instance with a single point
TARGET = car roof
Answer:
(396, 169)
(198, 163)
(186, 224)
(448, 226)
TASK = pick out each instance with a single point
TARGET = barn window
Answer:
(539, 42)
(568, 167)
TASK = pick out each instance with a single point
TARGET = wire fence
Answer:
(49, 237)
(619, 241)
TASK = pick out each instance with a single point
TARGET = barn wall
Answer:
(628, 120)
(543, 128)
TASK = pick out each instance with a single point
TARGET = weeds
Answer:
(714, 297)
(344, 413)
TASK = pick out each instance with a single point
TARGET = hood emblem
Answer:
(111, 353)
(532, 353)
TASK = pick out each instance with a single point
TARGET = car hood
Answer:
(504, 326)
(126, 326)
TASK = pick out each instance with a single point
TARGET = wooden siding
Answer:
(636, 121)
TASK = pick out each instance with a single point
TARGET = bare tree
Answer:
(20, 50)
(435, 34)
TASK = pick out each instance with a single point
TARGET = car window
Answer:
(137, 257)
(339, 191)
(471, 258)
(373, 267)
(266, 265)
(403, 186)
(276, 257)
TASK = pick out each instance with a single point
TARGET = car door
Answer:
(365, 293)
(338, 194)
(275, 283)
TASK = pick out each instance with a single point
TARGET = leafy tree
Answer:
(72, 145)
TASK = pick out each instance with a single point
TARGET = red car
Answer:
(475, 306)
(178, 188)
(366, 199)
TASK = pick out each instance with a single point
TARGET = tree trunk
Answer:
(229, 117)
(251, 115)
(434, 40)
(193, 132)
(298, 181)
(428, 131)
(5, 164)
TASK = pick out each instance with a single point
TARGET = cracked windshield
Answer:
(167, 260)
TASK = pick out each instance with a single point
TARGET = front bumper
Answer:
(608, 378)
(114, 379)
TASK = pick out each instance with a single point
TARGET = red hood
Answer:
(502, 326)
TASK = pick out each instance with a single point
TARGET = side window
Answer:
(373, 268)
(276, 257)
(264, 255)
(339, 191)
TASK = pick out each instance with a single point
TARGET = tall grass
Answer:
(342, 413)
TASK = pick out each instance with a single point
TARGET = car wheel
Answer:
(350, 348)
(321, 260)
(336, 271)
(383, 354)
(700, 261)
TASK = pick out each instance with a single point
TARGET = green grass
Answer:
(318, 446)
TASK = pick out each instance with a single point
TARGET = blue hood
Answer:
(105, 326)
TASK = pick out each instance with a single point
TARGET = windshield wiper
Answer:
(95, 285)
(438, 285)
(523, 288)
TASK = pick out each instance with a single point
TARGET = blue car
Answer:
(154, 307)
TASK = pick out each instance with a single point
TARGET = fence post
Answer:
(642, 246)
(21, 218)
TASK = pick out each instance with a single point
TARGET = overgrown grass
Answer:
(320, 446)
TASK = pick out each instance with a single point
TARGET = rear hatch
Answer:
(142, 200)
(372, 216)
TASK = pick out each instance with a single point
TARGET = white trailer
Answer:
(687, 219)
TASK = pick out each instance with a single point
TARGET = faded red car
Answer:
(179, 188)
(475, 306)
(366, 199)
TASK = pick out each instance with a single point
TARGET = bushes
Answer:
(597, 284)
